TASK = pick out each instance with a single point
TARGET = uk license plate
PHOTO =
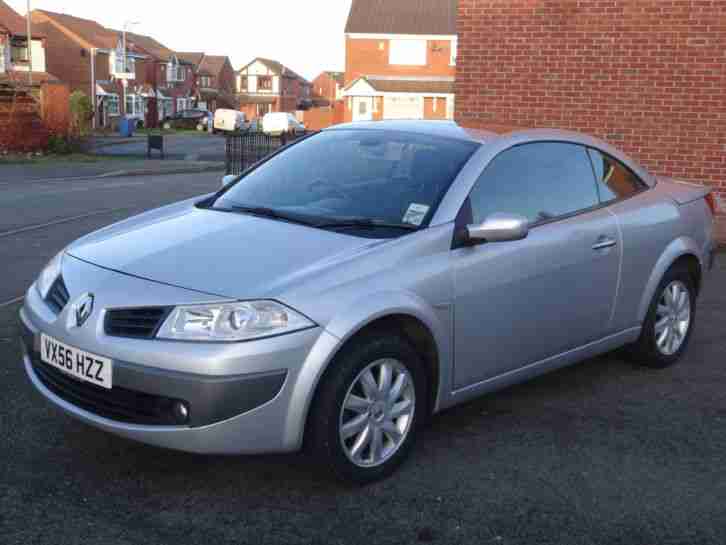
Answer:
(78, 363)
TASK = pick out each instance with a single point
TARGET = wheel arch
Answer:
(408, 316)
(682, 251)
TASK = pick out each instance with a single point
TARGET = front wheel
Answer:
(367, 409)
(669, 323)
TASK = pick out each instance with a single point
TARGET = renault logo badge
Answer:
(83, 309)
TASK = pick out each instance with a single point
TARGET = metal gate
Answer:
(247, 148)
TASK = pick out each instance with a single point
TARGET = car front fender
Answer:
(366, 310)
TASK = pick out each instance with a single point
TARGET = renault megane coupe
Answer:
(361, 279)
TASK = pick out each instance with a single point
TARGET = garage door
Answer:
(403, 108)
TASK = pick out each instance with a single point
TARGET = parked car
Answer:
(341, 303)
(229, 120)
(277, 123)
(188, 119)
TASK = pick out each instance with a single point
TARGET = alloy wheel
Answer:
(673, 318)
(377, 413)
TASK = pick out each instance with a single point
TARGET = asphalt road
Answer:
(202, 147)
(600, 453)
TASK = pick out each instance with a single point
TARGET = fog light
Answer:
(181, 412)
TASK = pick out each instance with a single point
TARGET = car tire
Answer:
(351, 458)
(667, 319)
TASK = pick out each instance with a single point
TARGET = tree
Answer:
(81, 114)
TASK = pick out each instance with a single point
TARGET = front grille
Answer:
(58, 295)
(117, 404)
(138, 323)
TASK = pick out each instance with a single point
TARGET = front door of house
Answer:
(362, 109)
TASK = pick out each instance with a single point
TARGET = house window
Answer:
(454, 47)
(112, 105)
(120, 68)
(205, 81)
(135, 105)
(19, 51)
(243, 85)
(264, 83)
(175, 72)
(408, 52)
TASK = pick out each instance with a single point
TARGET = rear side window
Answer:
(615, 180)
(540, 181)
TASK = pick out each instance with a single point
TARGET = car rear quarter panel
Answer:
(655, 232)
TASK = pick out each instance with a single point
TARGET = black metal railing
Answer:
(244, 149)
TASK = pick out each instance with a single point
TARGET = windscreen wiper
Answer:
(266, 212)
(366, 223)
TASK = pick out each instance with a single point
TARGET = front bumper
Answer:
(243, 397)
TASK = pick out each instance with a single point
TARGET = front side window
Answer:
(615, 180)
(264, 83)
(540, 181)
(377, 175)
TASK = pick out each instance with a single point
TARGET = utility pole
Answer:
(30, 47)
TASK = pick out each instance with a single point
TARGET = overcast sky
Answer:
(306, 36)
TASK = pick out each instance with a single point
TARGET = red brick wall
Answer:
(318, 118)
(67, 59)
(55, 107)
(365, 57)
(647, 75)
(439, 112)
(325, 87)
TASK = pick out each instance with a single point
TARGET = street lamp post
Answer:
(30, 47)
(127, 25)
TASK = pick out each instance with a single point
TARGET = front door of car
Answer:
(522, 301)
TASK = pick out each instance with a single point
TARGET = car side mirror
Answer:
(228, 179)
(499, 227)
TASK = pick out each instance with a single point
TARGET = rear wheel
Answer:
(669, 323)
(367, 409)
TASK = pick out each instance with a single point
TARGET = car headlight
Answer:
(49, 275)
(231, 321)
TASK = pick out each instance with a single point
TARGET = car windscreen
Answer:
(363, 175)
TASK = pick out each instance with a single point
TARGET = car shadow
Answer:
(549, 401)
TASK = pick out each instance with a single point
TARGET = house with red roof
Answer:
(21, 60)
(214, 80)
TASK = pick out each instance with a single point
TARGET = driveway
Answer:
(600, 453)
(194, 147)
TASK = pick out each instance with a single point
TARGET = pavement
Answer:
(102, 167)
(186, 146)
(603, 453)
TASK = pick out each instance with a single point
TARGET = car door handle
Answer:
(604, 242)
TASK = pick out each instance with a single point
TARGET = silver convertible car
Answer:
(361, 279)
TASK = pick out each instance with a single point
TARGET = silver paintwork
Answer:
(672, 318)
(228, 179)
(499, 313)
(499, 227)
(377, 413)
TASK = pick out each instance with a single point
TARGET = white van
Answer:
(277, 123)
(229, 120)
